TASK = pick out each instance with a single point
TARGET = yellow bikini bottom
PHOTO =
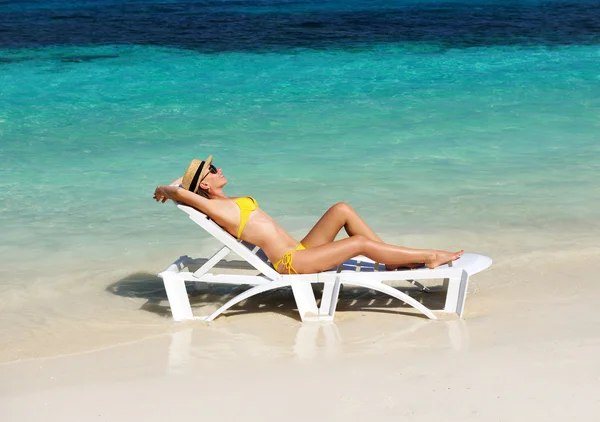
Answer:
(287, 260)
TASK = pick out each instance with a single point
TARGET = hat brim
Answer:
(194, 174)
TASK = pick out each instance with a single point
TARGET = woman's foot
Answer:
(438, 258)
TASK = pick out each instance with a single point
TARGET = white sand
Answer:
(64, 305)
(527, 350)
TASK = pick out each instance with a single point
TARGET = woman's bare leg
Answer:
(342, 215)
(339, 216)
(329, 255)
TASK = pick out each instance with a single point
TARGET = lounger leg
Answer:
(305, 301)
(245, 295)
(329, 300)
(178, 297)
(384, 288)
(457, 294)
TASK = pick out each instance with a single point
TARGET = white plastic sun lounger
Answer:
(359, 271)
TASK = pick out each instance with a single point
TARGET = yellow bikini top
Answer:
(247, 204)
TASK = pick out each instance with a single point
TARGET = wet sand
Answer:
(527, 350)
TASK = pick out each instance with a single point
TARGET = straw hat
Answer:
(195, 173)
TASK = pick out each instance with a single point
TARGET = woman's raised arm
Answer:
(162, 193)
(175, 193)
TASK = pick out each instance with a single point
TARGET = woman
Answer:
(202, 185)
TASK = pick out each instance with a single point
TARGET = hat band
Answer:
(194, 181)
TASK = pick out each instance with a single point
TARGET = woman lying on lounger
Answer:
(202, 185)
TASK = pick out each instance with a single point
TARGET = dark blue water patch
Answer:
(202, 27)
(87, 58)
(63, 58)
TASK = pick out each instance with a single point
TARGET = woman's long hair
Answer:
(202, 192)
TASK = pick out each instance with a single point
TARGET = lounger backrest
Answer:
(239, 247)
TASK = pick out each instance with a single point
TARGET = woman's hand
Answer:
(162, 193)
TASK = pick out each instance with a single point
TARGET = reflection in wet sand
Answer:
(306, 342)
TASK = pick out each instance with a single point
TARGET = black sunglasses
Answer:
(212, 169)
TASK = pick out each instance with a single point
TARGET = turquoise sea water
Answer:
(422, 130)
(416, 140)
